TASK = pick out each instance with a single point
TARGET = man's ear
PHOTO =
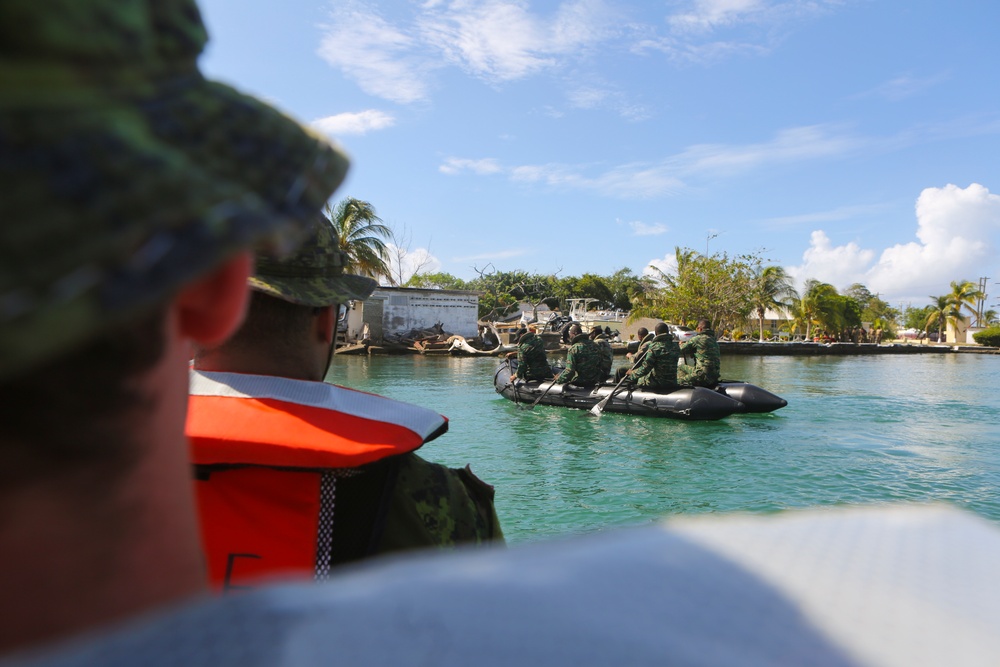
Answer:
(210, 309)
(326, 323)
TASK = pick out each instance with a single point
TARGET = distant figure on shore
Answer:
(657, 369)
(532, 361)
(583, 360)
(707, 358)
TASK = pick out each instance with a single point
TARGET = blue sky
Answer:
(848, 140)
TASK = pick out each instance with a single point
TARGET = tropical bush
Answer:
(989, 337)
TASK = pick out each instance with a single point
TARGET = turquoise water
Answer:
(856, 430)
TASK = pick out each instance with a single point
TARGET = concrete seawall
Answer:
(814, 349)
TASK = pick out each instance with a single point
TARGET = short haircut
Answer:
(575, 330)
(661, 328)
(274, 324)
(642, 332)
(82, 411)
(704, 324)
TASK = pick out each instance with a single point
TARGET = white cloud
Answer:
(905, 86)
(640, 228)
(405, 264)
(705, 15)
(482, 167)
(494, 40)
(383, 60)
(501, 40)
(705, 31)
(667, 264)
(838, 265)
(957, 234)
(790, 145)
(640, 180)
(834, 215)
(597, 97)
(360, 122)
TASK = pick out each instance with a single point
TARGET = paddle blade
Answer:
(596, 410)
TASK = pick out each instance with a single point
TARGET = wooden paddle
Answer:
(599, 408)
(531, 406)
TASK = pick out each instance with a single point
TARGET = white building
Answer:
(396, 310)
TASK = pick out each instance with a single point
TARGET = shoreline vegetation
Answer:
(459, 346)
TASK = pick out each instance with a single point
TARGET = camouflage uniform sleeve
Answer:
(569, 372)
(433, 505)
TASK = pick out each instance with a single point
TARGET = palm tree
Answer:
(810, 308)
(772, 289)
(964, 293)
(359, 233)
(941, 313)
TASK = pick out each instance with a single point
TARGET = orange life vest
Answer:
(268, 452)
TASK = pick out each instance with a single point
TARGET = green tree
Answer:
(916, 318)
(436, 281)
(359, 233)
(813, 308)
(624, 286)
(717, 288)
(501, 291)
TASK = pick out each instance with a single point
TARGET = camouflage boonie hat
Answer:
(125, 173)
(314, 275)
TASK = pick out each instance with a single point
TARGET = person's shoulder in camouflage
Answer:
(607, 353)
(436, 506)
(533, 362)
(657, 370)
(706, 369)
(583, 360)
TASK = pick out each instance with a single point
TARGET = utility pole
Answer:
(708, 237)
(981, 303)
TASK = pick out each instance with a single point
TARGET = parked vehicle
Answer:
(681, 332)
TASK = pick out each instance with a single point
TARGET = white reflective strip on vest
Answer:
(319, 395)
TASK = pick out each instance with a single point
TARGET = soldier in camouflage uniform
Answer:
(135, 192)
(583, 360)
(399, 501)
(657, 370)
(608, 354)
(532, 362)
(707, 362)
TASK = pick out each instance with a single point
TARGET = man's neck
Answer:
(221, 360)
(88, 548)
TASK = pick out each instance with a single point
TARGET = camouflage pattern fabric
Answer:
(608, 356)
(657, 371)
(127, 174)
(314, 275)
(433, 505)
(707, 360)
(532, 362)
(583, 362)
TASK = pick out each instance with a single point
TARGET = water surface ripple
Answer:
(856, 430)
